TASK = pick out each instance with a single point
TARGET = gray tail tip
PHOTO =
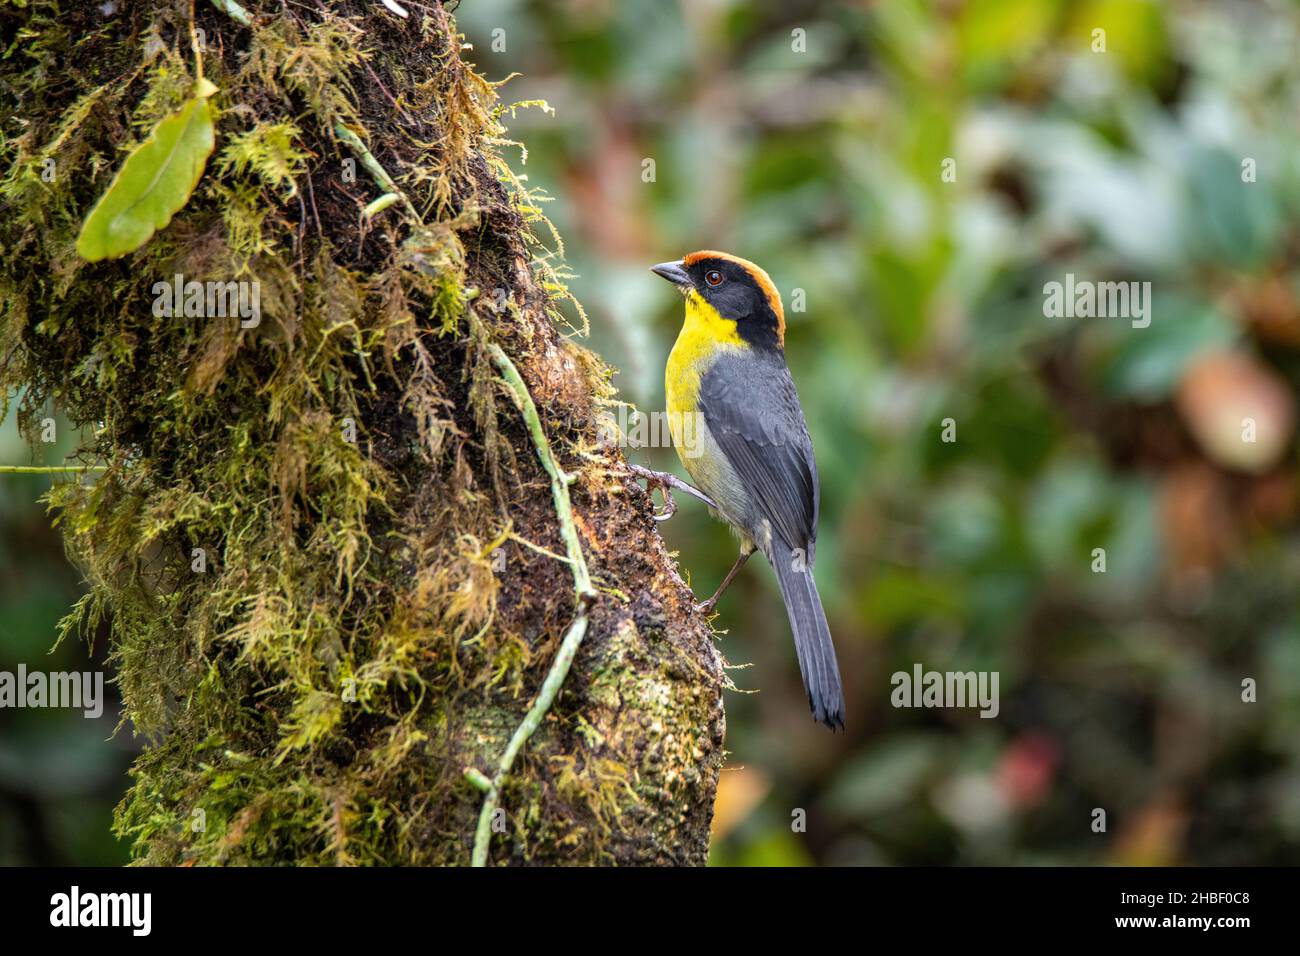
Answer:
(830, 717)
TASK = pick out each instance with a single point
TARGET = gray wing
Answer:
(750, 404)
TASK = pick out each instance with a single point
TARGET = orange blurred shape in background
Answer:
(1222, 395)
(740, 790)
(1153, 837)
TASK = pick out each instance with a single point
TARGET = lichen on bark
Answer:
(382, 589)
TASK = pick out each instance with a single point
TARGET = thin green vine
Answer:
(48, 469)
(583, 591)
(234, 11)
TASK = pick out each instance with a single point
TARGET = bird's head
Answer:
(735, 288)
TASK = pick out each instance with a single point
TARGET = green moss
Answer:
(315, 691)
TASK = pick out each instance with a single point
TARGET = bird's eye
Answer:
(713, 277)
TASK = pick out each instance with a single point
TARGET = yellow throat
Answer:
(704, 334)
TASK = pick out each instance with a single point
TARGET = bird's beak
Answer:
(674, 273)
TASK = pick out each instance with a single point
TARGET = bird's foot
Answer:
(665, 481)
(707, 606)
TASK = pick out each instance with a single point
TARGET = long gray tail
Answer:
(812, 637)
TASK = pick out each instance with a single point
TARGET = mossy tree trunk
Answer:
(323, 547)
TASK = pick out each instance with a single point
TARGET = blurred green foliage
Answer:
(812, 137)
(61, 773)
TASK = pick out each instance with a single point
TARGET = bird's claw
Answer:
(670, 506)
(660, 480)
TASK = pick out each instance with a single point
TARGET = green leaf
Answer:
(153, 184)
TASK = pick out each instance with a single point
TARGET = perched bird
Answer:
(740, 433)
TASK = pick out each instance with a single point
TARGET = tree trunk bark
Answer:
(324, 547)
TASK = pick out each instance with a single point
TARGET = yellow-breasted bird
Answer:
(740, 433)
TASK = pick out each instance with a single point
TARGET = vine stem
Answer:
(233, 10)
(375, 168)
(194, 46)
(48, 469)
(583, 591)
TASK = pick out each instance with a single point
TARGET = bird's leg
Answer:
(664, 481)
(707, 606)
